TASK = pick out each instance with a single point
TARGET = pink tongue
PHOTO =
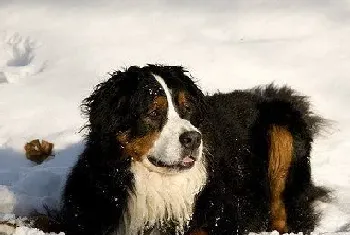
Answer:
(187, 160)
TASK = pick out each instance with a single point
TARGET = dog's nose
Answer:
(190, 139)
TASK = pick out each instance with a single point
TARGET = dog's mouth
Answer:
(186, 162)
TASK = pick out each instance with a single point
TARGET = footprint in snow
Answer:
(18, 59)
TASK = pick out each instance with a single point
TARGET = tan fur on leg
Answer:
(198, 232)
(280, 157)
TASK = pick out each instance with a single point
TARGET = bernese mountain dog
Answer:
(163, 158)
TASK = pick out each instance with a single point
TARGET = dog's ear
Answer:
(106, 108)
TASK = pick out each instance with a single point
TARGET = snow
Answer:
(53, 52)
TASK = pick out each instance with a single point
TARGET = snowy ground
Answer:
(53, 52)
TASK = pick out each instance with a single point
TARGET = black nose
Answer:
(190, 139)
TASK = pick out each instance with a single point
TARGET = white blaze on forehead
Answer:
(175, 125)
(171, 107)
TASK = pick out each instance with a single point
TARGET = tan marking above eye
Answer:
(159, 103)
(182, 100)
(138, 147)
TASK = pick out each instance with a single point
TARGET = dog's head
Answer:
(152, 114)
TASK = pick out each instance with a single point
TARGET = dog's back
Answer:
(259, 154)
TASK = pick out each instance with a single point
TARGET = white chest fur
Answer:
(159, 198)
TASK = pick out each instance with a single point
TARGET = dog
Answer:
(161, 157)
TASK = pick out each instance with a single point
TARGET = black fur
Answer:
(234, 127)
(236, 199)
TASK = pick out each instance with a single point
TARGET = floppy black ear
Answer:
(106, 107)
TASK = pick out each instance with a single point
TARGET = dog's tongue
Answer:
(187, 160)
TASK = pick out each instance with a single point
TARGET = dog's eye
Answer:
(153, 114)
(187, 108)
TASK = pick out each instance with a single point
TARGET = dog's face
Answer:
(152, 114)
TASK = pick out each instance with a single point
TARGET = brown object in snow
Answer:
(37, 151)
